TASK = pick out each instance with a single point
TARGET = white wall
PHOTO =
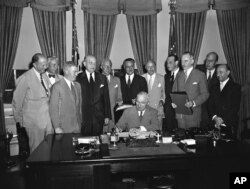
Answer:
(121, 49)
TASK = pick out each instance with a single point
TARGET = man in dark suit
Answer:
(141, 116)
(172, 67)
(194, 83)
(224, 102)
(95, 98)
(65, 102)
(131, 84)
(210, 71)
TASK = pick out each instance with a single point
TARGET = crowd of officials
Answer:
(84, 101)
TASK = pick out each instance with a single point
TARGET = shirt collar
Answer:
(189, 70)
(223, 83)
(131, 77)
(212, 72)
(142, 112)
(88, 74)
(175, 72)
(37, 73)
(68, 82)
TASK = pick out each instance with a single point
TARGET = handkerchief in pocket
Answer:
(159, 84)
(101, 85)
(116, 86)
(195, 83)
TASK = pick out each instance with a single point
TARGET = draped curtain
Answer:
(99, 27)
(143, 36)
(50, 22)
(10, 23)
(98, 35)
(190, 19)
(142, 25)
(234, 27)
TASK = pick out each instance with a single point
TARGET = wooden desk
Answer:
(55, 165)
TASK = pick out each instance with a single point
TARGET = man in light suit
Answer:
(156, 90)
(224, 102)
(51, 75)
(65, 102)
(172, 69)
(95, 98)
(141, 115)
(194, 83)
(131, 83)
(115, 95)
(31, 102)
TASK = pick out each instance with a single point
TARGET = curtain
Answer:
(51, 32)
(98, 35)
(189, 32)
(10, 23)
(234, 27)
(143, 36)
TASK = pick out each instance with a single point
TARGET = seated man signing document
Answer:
(141, 116)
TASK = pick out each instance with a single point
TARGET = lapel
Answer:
(111, 83)
(146, 113)
(67, 89)
(39, 81)
(156, 82)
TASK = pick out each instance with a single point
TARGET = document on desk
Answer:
(180, 99)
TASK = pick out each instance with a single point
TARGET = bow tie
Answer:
(51, 75)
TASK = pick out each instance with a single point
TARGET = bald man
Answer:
(31, 102)
(95, 98)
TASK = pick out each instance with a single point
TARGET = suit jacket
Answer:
(115, 94)
(196, 89)
(138, 84)
(65, 111)
(157, 92)
(96, 106)
(47, 80)
(226, 104)
(169, 111)
(130, 119)
(30, 102)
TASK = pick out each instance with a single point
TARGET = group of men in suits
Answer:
(84, 102)
(210, 103)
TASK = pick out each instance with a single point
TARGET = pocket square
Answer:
(116, 86)
(159, 84)
(195, 83)
(101, 85)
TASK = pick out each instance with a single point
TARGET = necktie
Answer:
(209, 77)
(47, 92)
(52, 75)
(172, 79)
(73, 91)
(186, 76)
(129, 81)
(91, 82)
(140, 116)
(150, 82)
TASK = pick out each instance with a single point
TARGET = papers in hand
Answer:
(180, 99)
(123, 107)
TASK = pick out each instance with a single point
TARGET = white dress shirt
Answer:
(131, 77)
(88, 75)
(222, 84)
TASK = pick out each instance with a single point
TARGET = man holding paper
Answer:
(193, 82)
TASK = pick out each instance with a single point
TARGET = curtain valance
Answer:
(191, 6)
(51, 5)
(15, 3)
(128, 7)
(230, 4)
